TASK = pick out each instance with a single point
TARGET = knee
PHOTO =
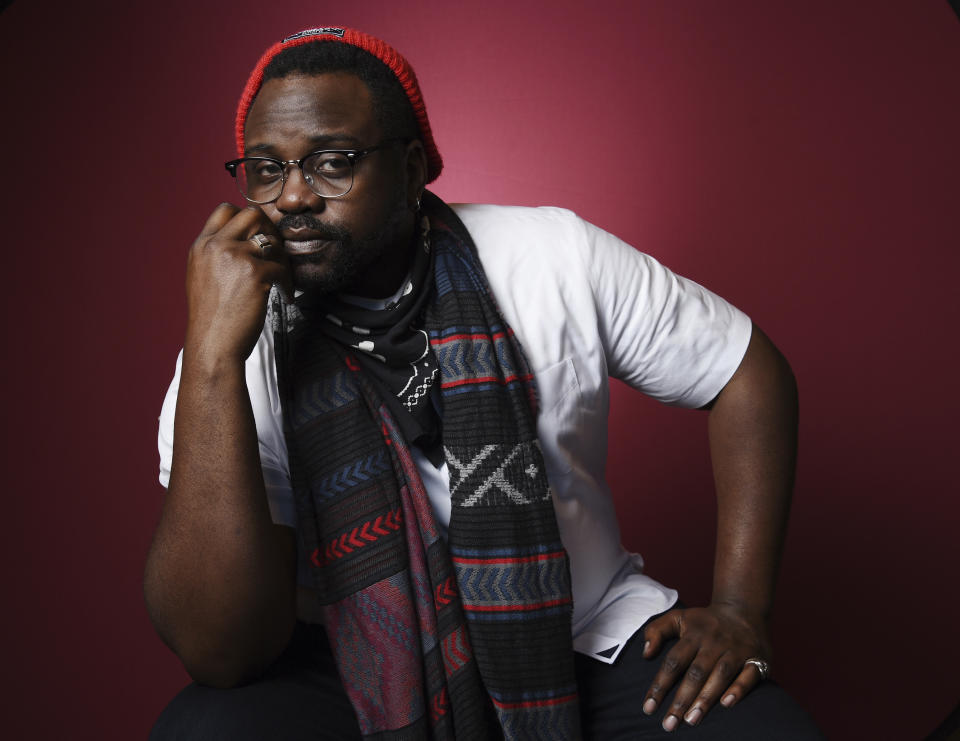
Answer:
(275, 708)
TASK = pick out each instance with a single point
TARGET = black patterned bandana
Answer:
(393, 348)
(468, 638)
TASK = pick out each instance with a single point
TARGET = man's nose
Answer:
(296, 195)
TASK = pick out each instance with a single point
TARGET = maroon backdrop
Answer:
(801, 159)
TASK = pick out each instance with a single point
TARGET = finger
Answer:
(270, 249)
(674, 664)
(662, 629)
(748, 678)
(265, 247)
(252, 233)
(245, 223)
(690, 686)
(220, 216)
(724, 671)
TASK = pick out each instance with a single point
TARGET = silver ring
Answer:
(762, 666)
(262, 241)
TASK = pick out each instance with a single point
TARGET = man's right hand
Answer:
(228, 281)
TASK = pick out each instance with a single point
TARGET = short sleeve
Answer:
(265, 402)
(663, 334)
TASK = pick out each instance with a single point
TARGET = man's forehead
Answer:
(311, 107)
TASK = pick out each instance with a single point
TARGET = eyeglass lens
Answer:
(328, 174)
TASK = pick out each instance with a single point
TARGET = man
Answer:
(384, 447)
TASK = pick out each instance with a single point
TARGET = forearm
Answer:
(220, 579)
(753, 442)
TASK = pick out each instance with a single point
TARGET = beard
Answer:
(330, 271)
(346, 259)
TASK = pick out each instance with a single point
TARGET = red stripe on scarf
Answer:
(451, 338)
(487, 379)
(515, 607)
(534, 703)
(502, 559)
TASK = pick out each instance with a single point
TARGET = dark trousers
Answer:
(301, 697)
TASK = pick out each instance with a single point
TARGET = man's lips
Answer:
(302, 243)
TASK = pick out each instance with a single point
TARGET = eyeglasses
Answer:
(327, 172)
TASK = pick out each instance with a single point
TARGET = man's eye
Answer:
(328, 165)
(265, 171)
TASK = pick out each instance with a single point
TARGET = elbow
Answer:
(231, 656)
(215, 651)
(224, 664)
(219, 671)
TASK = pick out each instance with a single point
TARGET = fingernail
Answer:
(728, 700)
(693, 717)
(670, 722)
(649, 706)
(646, 646)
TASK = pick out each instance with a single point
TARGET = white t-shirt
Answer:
(585, 306)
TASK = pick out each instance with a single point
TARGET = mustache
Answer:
(327, 232)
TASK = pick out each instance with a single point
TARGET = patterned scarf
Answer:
(468, 638)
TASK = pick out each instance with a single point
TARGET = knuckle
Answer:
(696, 673)
(211, 243)
(672, 665)
(725, 669)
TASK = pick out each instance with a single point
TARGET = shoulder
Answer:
(552, 246)
(491, 226)
(544, 243)
(522, 235)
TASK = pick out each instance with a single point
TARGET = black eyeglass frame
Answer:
(353, 155)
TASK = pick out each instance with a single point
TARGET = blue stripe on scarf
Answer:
(515, 552)
(449, 331)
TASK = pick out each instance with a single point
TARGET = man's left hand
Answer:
(707, 664)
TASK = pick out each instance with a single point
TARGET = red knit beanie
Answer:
(381, 50)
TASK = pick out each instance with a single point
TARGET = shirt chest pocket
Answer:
(559, 420)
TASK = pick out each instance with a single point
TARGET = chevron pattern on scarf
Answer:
(468, 638)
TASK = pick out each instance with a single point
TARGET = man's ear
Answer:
(416, 170)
